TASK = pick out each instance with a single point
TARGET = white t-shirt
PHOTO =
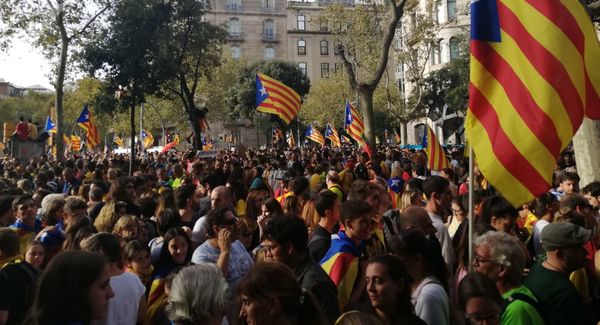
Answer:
(123, 307)
(199, 231)
(444, 238)
(431, 302)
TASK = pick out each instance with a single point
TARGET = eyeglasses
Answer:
(478, 260)
(480, 318)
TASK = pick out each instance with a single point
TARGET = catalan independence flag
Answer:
(332, 135)
(86, 121)
(50, 127)
(314, 135)
(436, 157)
(274, 97)
(534, 75)
(75, 143)
(341, 264)
(354, 125)
(147, 139)
(157, 296)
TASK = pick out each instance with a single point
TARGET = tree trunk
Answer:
(587, 149)
(366, 107)
(133, 144)
(403, 133)
(58, 103)
(197, 138)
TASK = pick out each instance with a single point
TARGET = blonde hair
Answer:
(107, 218)
(397, 170)
(355, 317)
(407, 198)
(123, 222)
(310, 215)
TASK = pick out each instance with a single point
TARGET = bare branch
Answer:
(83, 29)
(348, 65)
(397, 11)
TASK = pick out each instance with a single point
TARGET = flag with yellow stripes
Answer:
(534, 75)
(273, 97)
(314, 135)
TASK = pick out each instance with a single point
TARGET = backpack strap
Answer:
(525, 298)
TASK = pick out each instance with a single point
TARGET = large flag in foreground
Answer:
(436, 157)
(354, 125)
(274, 97)
(314, 135)
(332, 135)
(86, 121)
(534, 76)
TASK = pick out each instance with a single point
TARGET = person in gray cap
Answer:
(560, 303)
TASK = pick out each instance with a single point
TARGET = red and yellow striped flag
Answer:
(332, 135)
(274, 97)
(354, 125)
(314, 135)
(534, 76)
(436, 157)
(75, 143)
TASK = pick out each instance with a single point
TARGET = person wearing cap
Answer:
(559, 301)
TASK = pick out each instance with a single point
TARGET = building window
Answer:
(303, 68)
(233, 5)
(301, 22)
(269, 53)
(268, 3)
(451, 4)
(454, 48)
(236, 52)
(301, 47)
(324, 70)
(336, 46)
(323, 26)
(436, 57)
(324, 47)
(338, 67)
(235, 28)
(269, 28)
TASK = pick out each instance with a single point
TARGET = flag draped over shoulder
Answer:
(534, 76)
(314, 135)
(274, 97)
(341, 264)
(50, 126)
(436, 157)
(354, 125)
(86, 122)
(332, 135)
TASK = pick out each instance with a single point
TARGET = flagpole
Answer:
(141, 126)
(471, 215)
(298, 131)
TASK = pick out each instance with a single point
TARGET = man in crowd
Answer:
(439, 199)
(285, 242)
(328, 208)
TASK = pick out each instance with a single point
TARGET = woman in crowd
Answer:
(127, 229)
(176, 252)
(430, 275)
(198, 295)
(270, 294)
(479, 300)
(389, 291)
(74, 289)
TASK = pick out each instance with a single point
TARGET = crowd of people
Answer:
(290, 236)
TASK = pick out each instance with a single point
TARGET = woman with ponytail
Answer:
(270, 294)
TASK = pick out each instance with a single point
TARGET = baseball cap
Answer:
(563, 235)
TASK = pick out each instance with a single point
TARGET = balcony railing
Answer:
(233, 7)
(270, 37)
(235, 36)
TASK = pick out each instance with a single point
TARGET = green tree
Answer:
(364, 35)
(58, 26)
(325, 101)
(242, 94)
(129, 56)
(191, 46)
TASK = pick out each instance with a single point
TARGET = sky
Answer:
(24, 65)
